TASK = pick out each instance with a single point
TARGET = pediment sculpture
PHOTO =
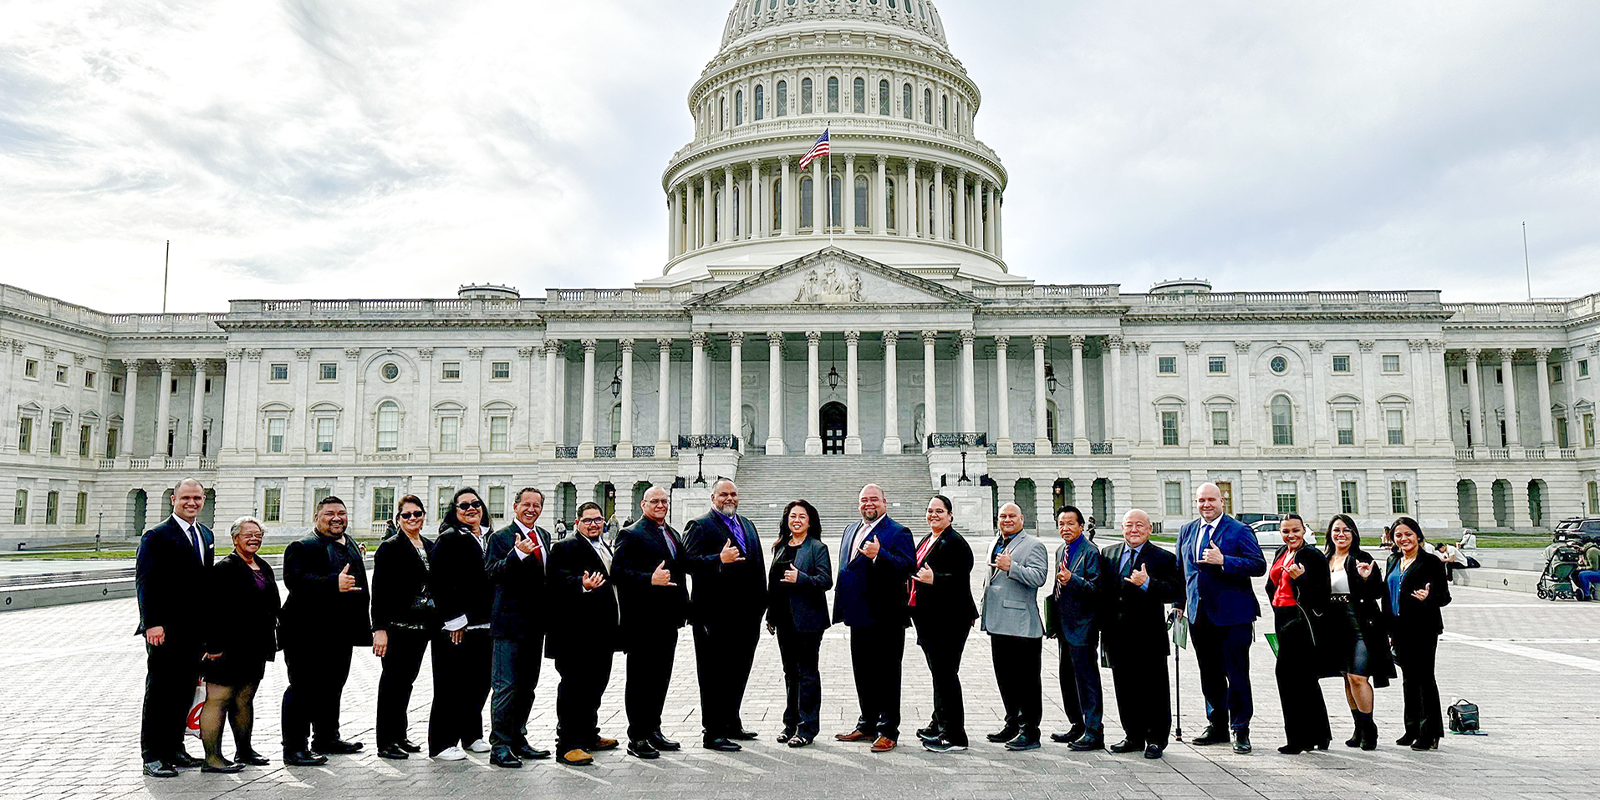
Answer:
(830, 284)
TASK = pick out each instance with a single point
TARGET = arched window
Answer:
(883, 98)
(905, 101)
(807, 197)
(836, 201)
(736, 216)
(805, 96)
(888, 205)
(777, 205)
(388, 427)
(722, 113)
(781, 107)
(950, 213)
(833, 95)
(716, 219)
(861, 96)
(1282, 421)
(927, 106)
(932, 212)
(760, 108)
(1051, 417)
(738, 107)
(861, 201)
(944, 111)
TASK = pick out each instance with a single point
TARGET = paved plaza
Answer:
(69, 713)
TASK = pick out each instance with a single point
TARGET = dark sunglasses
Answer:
(469, 506)
(413, 514)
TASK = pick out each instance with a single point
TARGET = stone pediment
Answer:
(832, 278)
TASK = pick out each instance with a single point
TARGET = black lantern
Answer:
(1050, 376)
(833, 377)
(616, 384)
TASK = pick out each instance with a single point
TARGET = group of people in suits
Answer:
(493, 604)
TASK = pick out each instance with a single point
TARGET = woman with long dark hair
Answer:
(1297, 589)
(797, 611)
(462, 651)
(1416, 590)
(943, 611)
(403, 620)
(1357, 626)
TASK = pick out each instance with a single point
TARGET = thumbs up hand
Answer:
(1212, 555)
(347, 582)
(1064, 575)
(730, 554)
(1139, 577)
(662, 576)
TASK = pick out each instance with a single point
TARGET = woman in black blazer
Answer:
(1297, 590)
(403, 619)
(1356, 625)
(797, 611)
(240, 638)
(1416, 588)
(943, 611)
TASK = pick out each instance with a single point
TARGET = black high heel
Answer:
(1425, 744)
(1406, 740)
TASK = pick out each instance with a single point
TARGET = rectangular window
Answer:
(1588, 430)
(1217, 365)
(497, 502)
(30, 369)
(1464, 378)
(1345, 423)
(84, 432)
(1391, 363)
(1499, 377)
(272, 505)
(80, 515)
(19, 516)
(1341, 365)
(1167, 365)
(449, 434)
(499, 434)
(325, 435)
(382, 503)
(1219, 427)
(328, 372)
(1583, 368)
(111, 442)
(279, 372)
(52, 507)
(1594, 497)
(116, 384)
(1169, 428)
(172, 438)
(500, 370)
(275, 431)
(1555, 373)
(57, 433)
(172, 388)
(88, 380)
(444, 499)
(319, 494)
(1288, 498)
(1174, 497)
(61, 374)
(25, 435)
(1395, 420)
(1561, 433)
(1398, 502)
(451, 371)
(1348, 498)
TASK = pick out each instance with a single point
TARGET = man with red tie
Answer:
(518, 558)
(648, 569)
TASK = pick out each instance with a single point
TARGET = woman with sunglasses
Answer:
(403, 620)
(463, 652)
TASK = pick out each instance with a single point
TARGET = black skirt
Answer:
(235, 671)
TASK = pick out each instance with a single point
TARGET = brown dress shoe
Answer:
(883, 745)
(575, 758)
(853, 736)
(604, 744)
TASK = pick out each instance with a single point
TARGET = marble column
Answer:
(908, 205)
(852, 384)
(708, 210)
(697, 384)
(891, 394)
(663, 398)
(1574, 421)
(1513, 436)
(848, 195)
(130, 395)
(1476, 435)
(1114, 393)
(813, 400)
(726, 206)
(969, 395)
(760, 219)
(999, 225)
(685, 220)
(938, 206)
(961, 207)
(230, 408)
(775, 393)
(1420, 428)
(1547, 427)
(164, 410)
(672, 225)
(930, 391)
(989, 226)
(736, 387)
(625, 438)
(1369, 393)
(1247, 413)
(878, 203)
(197, 409)
(586, 422)
(550, 399)
(1041, 399)
(787, 212)
(1080, 427)
(1002, 391)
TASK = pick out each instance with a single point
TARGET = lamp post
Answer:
(99, 527)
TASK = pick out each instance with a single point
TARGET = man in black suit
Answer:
(169, 578)
(730, 597)
(649, 571)
(323, 619)
(1141, 578)
(583, 632)
(518, 558)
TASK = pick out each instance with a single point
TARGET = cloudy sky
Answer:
(294, 148)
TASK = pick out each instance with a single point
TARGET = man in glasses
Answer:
(323, 619)
(519, 557)
(649, 570)
(582, 635)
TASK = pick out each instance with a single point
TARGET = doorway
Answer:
(834, 419)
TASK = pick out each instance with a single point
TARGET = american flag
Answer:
(818, 150)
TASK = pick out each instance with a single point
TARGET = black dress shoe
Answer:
(159, 769)
(252, 758)
(1069, 737)
(1406, 740)
(1241, 743)
(226, 769)
(1291, 749)
(410, 746)
(1425, 744)
(1211, 735)
(1023, 742)
(1087, 743)
(928, 734)
(304, 758)
(1127, 746)
(393, 752)
(337, 747)
(503, 757)
(528, 752)
(743, 735)
(640, 748)
(659, 741)
(1153, 751)
(183, 760)
(1003, 735)
(721, 744)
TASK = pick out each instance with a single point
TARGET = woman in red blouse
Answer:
(1297, 587)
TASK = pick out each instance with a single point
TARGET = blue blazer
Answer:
(1221, 595)
(1073, 609)
(873, 592)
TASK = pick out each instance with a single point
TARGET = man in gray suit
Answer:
(1018, 565)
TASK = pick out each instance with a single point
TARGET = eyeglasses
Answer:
(475, 504)
(590, 521)
(413, 514)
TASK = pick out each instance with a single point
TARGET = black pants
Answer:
(317, 674)
(802, 681)
(1305, 713)
(650, 656)
(514, 675)
(171, 673)
(942, 646)
(1417, 653)
(401, 664)
(1144, 693)
(1017, 662)
(584, 675)
(876, 652)
(460, 687)
(1081, 694)
(723, 655)
(1223, 653)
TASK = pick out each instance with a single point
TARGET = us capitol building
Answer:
(811, 329)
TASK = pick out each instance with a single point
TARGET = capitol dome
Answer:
(909, 184)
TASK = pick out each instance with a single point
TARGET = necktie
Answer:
(199, 546)
(605, 555)
(672, 547)
(738, 531)
(1205, 541)
(538, 546)
(1127, 562)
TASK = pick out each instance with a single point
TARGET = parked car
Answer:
(1577, 529)
(1268, 536)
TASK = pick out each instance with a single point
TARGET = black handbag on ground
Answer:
(1463, 717)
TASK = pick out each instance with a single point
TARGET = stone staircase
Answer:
(831, 483)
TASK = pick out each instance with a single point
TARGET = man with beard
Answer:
(876, 559)
(730, 596)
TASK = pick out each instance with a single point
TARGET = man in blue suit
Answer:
(876, 559)
(1072, 617)
(1220, 555)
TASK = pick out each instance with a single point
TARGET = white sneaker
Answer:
(451, 754)
(479, 746)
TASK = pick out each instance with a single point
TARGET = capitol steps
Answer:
(832, 484)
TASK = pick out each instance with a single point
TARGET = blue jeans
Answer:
(1586, 580)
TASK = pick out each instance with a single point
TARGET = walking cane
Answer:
(1176, 624)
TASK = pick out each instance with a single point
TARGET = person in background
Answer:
(1071, 617)
(582, 637)
(463, 652)
(1588, 572)
(1417, 589)
(1469, 540)
(241, 637)
(1358, 626)
(942, 609)
(1297, 590)
(404, 619)
(797, 612)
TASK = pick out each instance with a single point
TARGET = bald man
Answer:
(876, 559)
(725, 610)
(1018, 565)
(649, 571)
(1140, 579)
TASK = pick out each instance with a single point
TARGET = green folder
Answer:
(1272, 639)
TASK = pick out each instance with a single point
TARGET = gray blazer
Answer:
(1011, 599)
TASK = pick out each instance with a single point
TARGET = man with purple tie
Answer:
(648, 570)
(729, 599)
